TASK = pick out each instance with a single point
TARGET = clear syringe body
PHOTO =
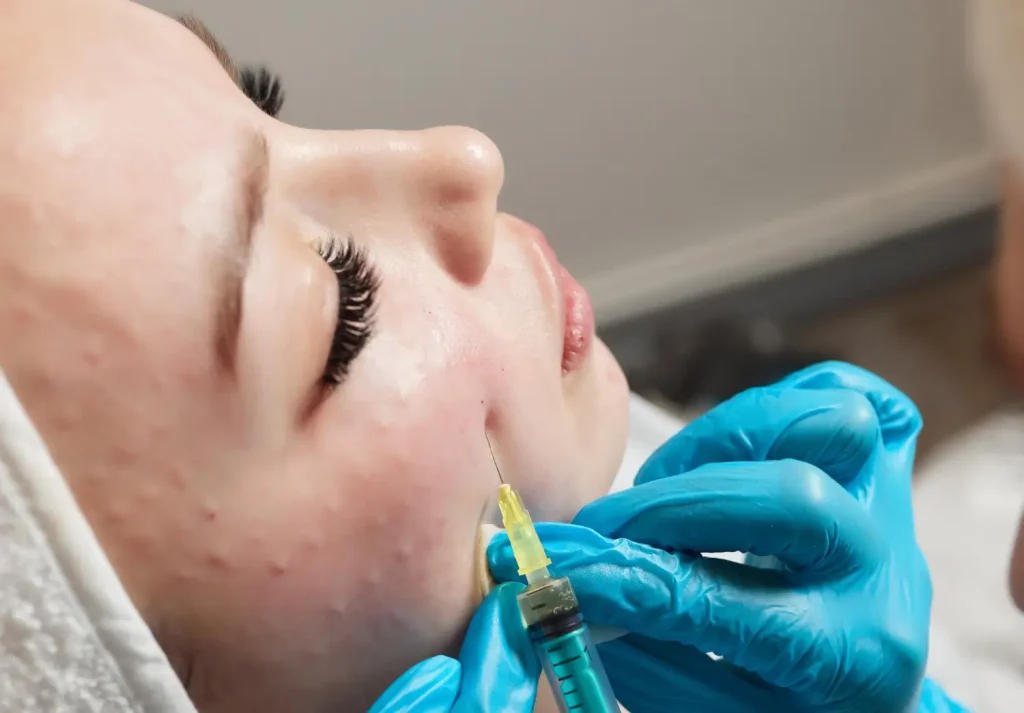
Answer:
(551, 613)
(566, 649)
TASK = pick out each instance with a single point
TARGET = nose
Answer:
(454, 185)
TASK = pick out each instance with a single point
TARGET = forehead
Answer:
(120, 147)
(75, 65)
(119, 111)
(91, 31)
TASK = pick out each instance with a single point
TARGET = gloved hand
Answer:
(812, 478)
(497, 668)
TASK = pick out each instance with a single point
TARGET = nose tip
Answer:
(468, 164)
(461, 175)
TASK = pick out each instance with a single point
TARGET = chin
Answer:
(612, 427)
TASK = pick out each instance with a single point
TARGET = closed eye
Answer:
(357, 291)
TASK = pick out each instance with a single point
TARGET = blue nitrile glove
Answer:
(497, 670)
(812, 477)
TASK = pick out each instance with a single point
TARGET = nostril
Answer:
(458, 174)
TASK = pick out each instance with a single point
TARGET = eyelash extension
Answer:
(263, 88)
(357, 292)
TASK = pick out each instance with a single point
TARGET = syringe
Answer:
(551, 614)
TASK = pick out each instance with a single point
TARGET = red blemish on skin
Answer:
(21, 314)
(216, 561)
(179, 479)
(141, 543)
(91, 354)
(191, 380)
(116, 514)
(184, 575)
(122, 454)
(63, 419)
(312, 543)
(279, 564)
(94, 475)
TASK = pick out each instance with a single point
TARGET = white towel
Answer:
(70, 639)
(968, 499)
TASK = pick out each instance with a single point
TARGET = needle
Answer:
(493, 459)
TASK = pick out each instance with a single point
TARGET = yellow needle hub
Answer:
(526, 547)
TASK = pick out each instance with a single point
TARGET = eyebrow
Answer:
(234, 260)
(198, 28)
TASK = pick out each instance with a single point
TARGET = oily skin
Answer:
(292, 550)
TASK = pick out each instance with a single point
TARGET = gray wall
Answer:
(669, 148)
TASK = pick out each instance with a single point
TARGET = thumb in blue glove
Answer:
(497, 668)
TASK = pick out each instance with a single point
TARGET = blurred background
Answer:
(742, 187)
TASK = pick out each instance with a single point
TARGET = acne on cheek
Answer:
(136, 511)
(262, 540)
(408, 554)
(157, 519)
(382, 540)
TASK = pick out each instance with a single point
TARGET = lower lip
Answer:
(579, 322)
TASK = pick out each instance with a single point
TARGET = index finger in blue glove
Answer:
(430, 686)
(888, 494)
(898, 417)
(497, 668)
(500, 668)
(784, 509)
(787, 509)
(835, 430)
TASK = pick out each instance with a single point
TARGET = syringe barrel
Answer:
(566, 649)
(575, 672)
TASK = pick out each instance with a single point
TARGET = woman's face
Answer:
(169, 320)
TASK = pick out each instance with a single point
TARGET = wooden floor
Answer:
(933, 342)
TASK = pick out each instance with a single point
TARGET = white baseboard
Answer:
(840, 226)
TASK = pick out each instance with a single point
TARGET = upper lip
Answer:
(551, 267)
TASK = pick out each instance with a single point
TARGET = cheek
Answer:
(418, 497)
(364, 537)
